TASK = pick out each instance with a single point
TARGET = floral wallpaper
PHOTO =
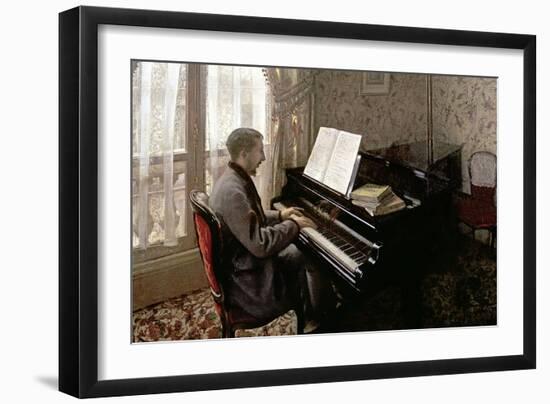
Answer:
(463, 110)
(398, 117)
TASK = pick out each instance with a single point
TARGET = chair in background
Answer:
(210, 240)
(478, 210)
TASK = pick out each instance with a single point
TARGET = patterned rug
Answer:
(460, 293)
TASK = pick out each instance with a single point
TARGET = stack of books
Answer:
(377, 200)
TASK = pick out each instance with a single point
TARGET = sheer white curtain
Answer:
(157, 130)
(236, 96)
(231, 96)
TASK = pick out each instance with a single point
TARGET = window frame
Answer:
(195, 145)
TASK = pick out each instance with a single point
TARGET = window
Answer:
(235, 97)
(180, 112)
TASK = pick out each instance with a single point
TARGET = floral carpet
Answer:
(459, 293)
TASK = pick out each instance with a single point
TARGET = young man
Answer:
(269, 274)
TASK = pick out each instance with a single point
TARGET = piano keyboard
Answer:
(336, 239)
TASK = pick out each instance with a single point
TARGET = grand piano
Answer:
(363, 253)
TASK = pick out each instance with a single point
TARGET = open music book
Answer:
(334, 159)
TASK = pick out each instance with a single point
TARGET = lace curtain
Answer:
(292, 137)
(158, 105)
(236, 97)
(274, 101)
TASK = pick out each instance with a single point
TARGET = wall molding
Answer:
(162, 278)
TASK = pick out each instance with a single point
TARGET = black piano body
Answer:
(395, 246)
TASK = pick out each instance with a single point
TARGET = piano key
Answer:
(348, 249)
(334, 244)
(334, 251)
(338, 242)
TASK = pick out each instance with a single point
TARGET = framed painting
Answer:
(149, 103)
(375, 83)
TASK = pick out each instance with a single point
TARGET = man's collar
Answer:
(239, 170)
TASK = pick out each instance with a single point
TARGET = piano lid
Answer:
(414, 155)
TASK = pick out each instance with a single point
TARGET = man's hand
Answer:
(303, 221)
(288, 212)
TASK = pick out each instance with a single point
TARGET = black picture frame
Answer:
(78, 200)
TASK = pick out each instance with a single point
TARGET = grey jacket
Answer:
(255, 282)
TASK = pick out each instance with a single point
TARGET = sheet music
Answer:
(340, 168)
(353, 176)
(317, 163)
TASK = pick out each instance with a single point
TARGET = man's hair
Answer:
(242, 139)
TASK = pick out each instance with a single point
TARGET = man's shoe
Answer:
(311, 326)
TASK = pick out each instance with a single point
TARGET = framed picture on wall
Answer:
(373, 83)
(148, 100)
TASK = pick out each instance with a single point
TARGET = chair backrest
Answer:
(208, 231)
(483, 174)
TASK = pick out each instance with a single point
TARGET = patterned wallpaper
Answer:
(398, 117)
(464, 110)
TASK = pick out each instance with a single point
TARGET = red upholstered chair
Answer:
(210, 240)
(478, 210)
